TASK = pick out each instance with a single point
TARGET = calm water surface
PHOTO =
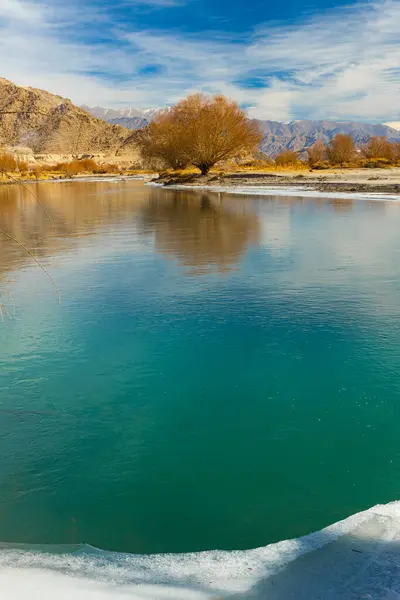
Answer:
(222, 372)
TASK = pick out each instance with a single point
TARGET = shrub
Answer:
(287, 158)
(76, 166)
(72, 168)
(258, 162)
(7, 163)
(88, 165)
(323, 164)
(106, 168)
(38, 170)
(22, 165)
(376, 163)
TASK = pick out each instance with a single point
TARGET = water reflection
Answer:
(78, 210)
(200, 230)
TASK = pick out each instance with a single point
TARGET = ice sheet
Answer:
(300, 192)
(355, 558)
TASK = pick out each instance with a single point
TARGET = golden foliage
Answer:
(316, 153)
(323, 164)
(88, 165)
(22, 165)
(200, 131)
(85, 165)
(380, 147)
(7, 163)
(341, 149)
(286, 158)
(162, 143)
(38, 170)
(69, 168)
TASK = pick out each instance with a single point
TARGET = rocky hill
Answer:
(47, 123)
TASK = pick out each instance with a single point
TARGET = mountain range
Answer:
(51, 124)
(296, 135)
(47, 123)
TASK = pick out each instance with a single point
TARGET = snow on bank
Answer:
(355, 558)
(300, 192)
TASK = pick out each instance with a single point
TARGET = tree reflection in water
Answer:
(200, 231)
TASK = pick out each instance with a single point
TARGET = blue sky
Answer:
(282, 60)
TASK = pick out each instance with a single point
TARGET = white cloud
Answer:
(25, 12)
(342, 64)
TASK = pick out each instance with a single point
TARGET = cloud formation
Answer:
(343, 64)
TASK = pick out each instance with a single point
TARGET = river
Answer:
(222, 370)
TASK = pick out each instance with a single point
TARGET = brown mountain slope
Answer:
(52, 124)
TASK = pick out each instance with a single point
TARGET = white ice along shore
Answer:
(300, 192)
(357, 558)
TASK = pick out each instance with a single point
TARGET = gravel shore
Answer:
(377, 181)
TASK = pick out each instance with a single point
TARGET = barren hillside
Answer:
(52, 124)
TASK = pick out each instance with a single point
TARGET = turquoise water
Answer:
(222, 371)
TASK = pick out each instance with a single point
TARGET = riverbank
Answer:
(376, 181)
(57, 178)
(345, 183)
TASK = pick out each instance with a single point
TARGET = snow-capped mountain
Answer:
(129, 116)
(127, 112)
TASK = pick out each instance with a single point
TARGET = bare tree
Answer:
(341, 149)
(200, 130)
(379, 147)
(316, 153)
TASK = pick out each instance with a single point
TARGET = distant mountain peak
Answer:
(126, 112)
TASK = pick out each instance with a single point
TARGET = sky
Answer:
(281, 60)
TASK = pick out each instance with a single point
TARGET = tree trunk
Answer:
(204, 169)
